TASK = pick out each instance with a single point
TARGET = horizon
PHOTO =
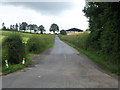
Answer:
(65, 14)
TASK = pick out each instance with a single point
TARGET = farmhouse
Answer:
(73, 31)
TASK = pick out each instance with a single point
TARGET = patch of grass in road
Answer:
(99, 59)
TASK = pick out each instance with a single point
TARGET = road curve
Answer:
(60, 67)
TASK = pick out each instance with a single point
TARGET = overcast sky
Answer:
(66, 14)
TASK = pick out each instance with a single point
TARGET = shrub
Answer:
(38, 43)
(63, 32)
(13, 49)
(35, 44)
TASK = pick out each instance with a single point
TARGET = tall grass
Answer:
(39, 43)
(79, 40)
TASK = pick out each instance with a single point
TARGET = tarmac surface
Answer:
(60, 67)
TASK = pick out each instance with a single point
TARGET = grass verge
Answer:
(13, 68)
(100, 60)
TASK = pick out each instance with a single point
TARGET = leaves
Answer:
(104, 21)
(41, 28)
(54, 27)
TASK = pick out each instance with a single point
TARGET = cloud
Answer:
(52, 8)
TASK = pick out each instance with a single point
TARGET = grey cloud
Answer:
(45, 7)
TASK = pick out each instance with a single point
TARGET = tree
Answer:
(13, 26)
(41, 28)
(54, 27)
(95, 11)
(104, 21)
(10, 26)
(63, 32)
(3, 26)
(16, 26)
(35, 27)
(23, 26)
(31, 27)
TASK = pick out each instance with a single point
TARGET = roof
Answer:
(75, 29)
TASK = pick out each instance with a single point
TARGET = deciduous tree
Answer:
(54, 27)
(41, 28)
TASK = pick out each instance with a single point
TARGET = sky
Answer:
(65, 13)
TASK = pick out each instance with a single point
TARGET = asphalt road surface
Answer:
(60, 67)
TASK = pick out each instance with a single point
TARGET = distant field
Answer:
(6, 33)
(25, 36)
(74, 33)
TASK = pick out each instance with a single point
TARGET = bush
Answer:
(38, 43)
(63, 32)
(13, 49)
(35, 44)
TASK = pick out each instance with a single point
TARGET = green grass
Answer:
(48, 39)
(25, 39)
(13, 68)
(100, 59)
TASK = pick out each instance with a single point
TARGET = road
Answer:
(60, 67)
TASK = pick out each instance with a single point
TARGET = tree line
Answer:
(31, 27)
(104, 25)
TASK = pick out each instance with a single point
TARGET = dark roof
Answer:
(75, 29)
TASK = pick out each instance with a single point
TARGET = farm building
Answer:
(73, 31)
